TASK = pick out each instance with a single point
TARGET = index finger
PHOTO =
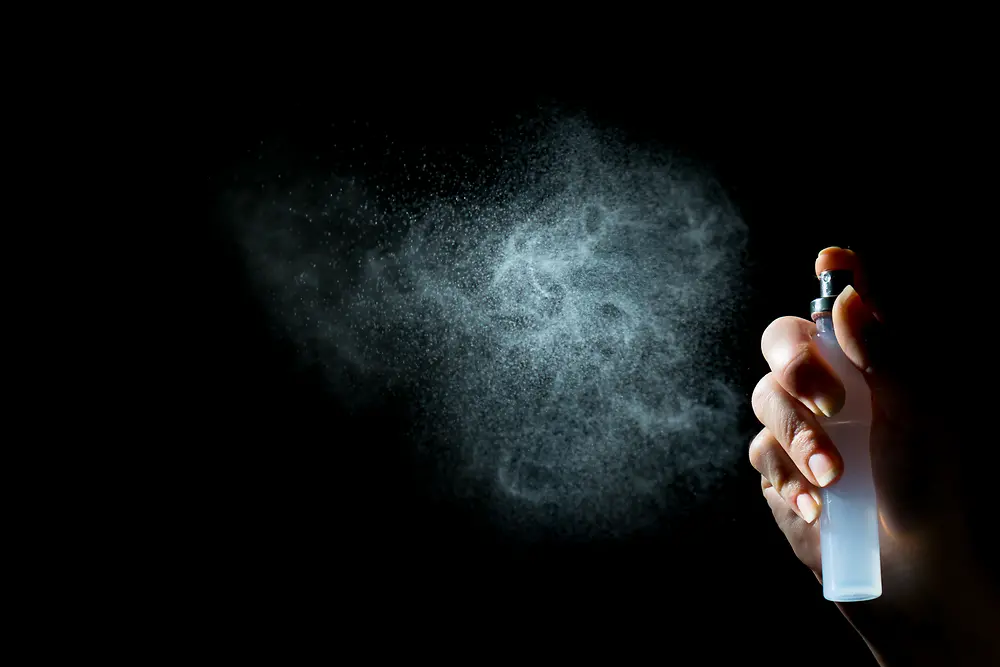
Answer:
(789, 347)
(836, 258)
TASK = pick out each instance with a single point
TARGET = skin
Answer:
(935, 608)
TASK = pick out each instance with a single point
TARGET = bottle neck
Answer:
(824, 322)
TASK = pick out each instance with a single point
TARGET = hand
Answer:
(935, 608)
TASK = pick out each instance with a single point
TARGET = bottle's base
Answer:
(853, 595)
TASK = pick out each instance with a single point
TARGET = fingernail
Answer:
(828, 405)
(823, 468)
(856, 302)
(807, 507)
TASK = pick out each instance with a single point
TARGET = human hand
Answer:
(934, 608)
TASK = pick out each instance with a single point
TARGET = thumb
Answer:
(861, 335)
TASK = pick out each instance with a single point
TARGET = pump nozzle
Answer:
(831, 283)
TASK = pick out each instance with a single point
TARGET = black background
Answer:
(307, 525)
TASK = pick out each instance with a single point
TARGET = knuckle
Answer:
(778, 476)
(768, 334)
(762, 393)
(771, 333)
(758, 450)
(797, 366)
(765, 457)
(803, 438)
(790, 488)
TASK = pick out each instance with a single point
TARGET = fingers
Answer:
(798, 432)
(803, 537)
(857, 329)
(856, 322)
(778, 472)
(788, 519)
(789, 347)
(837, 259)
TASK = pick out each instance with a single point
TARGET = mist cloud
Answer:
(561, 329)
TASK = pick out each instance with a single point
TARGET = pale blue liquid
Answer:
(848, 522)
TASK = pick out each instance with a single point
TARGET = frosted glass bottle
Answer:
(848, 521)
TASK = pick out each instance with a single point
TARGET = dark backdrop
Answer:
(294, 545)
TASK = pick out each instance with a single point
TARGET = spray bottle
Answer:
(848, 524)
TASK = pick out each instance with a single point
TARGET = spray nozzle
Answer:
(831, 283)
